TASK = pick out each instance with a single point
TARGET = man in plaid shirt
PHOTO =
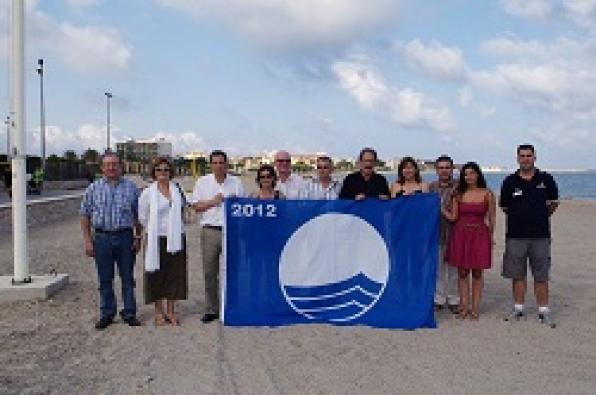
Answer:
(109, 213)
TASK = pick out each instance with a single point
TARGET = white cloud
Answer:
(439, 61)
(59, 139)
(530, 9)
(557, 76)
(406, 107)
(583, 12)
(285, 24)
(79, 5)
(82, 48)
(580, 12)
(184, 141)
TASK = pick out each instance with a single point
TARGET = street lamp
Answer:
(42, 115)
(7, 123)
(108, 97)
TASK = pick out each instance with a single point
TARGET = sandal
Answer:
(474, 315)
(462, 314)
(173, 320)
(161, 320)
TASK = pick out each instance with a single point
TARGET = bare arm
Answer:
(395, 189)
(452, 214)
(492, 213)
(203, 205)
(552, 206)
(88, 240)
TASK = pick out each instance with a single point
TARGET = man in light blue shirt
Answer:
(109, 220)
(322, 187)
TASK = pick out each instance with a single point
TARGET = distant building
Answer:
(143, 150)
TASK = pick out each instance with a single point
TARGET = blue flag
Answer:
(340, 262)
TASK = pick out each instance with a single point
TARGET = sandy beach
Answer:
(52, 347)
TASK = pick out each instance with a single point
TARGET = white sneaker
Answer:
(515, 315)
(546, 319)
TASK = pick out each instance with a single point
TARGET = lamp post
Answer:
(108, 97)
(7, 123)
(42, 115)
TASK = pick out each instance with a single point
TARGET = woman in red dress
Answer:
(470, 244)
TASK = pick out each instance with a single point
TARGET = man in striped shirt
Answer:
(322, 187)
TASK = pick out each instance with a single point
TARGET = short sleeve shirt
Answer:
(355, 184)
(525, 204)
(446, 193)
(292, 187)
(111, 206)
(207, 188)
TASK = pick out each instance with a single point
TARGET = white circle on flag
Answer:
(334, 268)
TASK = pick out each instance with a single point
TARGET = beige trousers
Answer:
(211, 249)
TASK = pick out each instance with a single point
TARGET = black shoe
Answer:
(437, 307)
(133, 321)
(103, 323)
(208, 317)
(454, 308)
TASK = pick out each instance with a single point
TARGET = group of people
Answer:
(117, 220)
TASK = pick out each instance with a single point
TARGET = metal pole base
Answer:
(26, 280)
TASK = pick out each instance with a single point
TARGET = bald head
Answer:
(283, 162)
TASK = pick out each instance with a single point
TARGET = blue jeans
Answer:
(116, 248)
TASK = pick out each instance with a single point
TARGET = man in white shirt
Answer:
(208, 195)
(288, 184)
(322, 187)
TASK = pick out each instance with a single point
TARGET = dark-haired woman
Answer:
(470, 243)
(160, 213)
(266, 179)
(408, 180)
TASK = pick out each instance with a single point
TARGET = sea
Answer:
(577, 185)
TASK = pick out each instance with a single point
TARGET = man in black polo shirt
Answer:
(528, 197)
(365, 183)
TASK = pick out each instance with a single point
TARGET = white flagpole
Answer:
(19, 150)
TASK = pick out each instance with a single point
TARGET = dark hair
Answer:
(525, 147)
(109, 153)
(271, 171)
(365, 150)
(444, 158)
(325, 158)
(400, 170)
(218, 152)
(463, 187)
(158, 161)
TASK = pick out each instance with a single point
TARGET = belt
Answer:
(116, 231)
(214, 227)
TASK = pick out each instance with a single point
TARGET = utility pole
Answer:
(19, 149)
(108, 97)
(7, 123)
(42, 115)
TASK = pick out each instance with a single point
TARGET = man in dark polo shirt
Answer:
(365, 183)
(528, 197)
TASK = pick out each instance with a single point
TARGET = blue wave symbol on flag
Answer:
(340, 301)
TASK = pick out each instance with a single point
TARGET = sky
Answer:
(468, 78)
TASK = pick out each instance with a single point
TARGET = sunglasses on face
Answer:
(284, 160)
